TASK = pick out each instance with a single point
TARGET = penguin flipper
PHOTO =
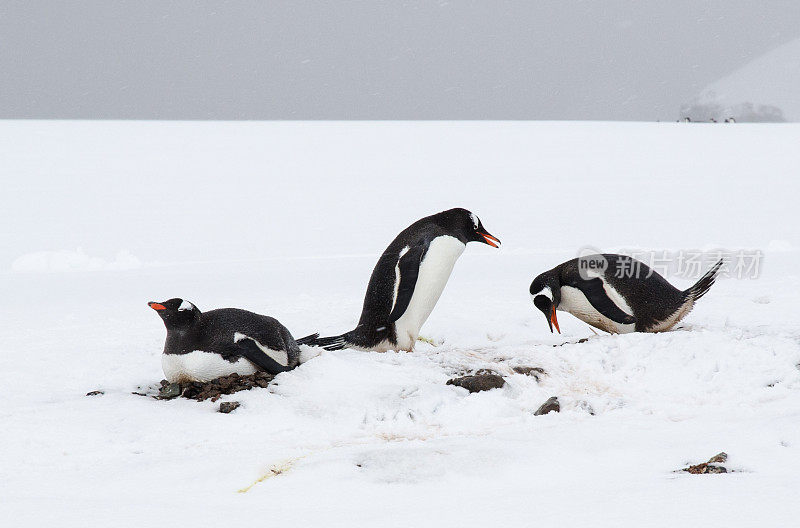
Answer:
(409, 271)
(272, 361)
(596, 295)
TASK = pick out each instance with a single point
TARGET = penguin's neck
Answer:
(184, 339)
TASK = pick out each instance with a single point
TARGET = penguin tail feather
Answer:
(702, 286)
(331, 343)
(307, 340)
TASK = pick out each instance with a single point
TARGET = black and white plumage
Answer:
(202, 346)
(623, 296)
(408, 280)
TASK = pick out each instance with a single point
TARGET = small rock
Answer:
(95, 393)
(720, 458)
(551, 405)
(485, 372)
(169, 391)
(226, 407)
(535, 372)
(478, 382)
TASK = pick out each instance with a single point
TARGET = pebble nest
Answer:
(709, 467)
(214, 389)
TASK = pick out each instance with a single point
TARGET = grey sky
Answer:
(383, 59)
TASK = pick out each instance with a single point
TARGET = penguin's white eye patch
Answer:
(475, 221)
(546, 291)
(185, 305)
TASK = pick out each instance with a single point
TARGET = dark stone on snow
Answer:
(535, 372)
(95, 393)
(719, 458)
(478, 382)
(551, 405)
(226, 407)
(169, 391)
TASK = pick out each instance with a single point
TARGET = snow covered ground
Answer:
(287, 219)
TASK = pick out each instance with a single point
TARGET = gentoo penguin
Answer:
(202, 346)
(408, 280)
(615, 293)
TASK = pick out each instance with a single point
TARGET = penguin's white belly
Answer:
(434, 271)
(575, 302)
(202, 366)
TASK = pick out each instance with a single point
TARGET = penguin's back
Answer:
(646, 294)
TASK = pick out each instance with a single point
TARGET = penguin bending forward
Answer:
(618, 294)
(408, 280)
(202, 346)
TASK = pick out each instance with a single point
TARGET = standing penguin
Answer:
(615, 293)
(202, 346)
(408, 280)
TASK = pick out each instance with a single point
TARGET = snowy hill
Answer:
(287, 219)
(765, 89)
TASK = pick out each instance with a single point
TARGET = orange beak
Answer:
(554, 319)
(156, 306)
(491, 240)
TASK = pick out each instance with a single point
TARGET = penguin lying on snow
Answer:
(408, 280)
(202, 346)
(636, 300)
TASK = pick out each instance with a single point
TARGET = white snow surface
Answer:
(69, 260)
(288, 219)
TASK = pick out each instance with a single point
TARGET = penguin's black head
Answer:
(466, 226)
(546, 295)
(175, 313)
